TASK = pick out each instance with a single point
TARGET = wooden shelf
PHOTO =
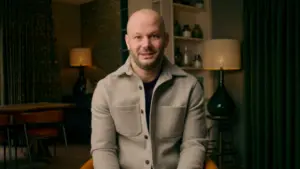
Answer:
(155, 1)
(187, 39)
(190, 68)
(187, 8)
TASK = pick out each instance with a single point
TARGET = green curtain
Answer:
(272, 69)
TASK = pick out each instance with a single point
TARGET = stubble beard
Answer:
(151, 66)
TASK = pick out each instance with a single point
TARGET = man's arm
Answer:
(193, 147)
(103, 138)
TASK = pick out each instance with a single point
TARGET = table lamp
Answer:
(80, 58)
(220, 55)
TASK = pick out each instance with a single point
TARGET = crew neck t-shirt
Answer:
(149, 86)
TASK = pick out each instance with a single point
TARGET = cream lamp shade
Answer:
(80, 57)
(221, 53)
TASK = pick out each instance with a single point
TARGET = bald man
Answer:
(148, 114)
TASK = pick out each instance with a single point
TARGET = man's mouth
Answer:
(147, 53)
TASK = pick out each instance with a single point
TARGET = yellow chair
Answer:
(209, 164)
(88, 165)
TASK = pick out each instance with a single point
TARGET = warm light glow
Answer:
(80, 57)
(221, 53)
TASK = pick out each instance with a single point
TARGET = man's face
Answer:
(146, 41)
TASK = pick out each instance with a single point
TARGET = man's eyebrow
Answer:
(155, 32)
(135, 34)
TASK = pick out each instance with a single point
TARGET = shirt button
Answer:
(140, 87)
(147, 161)
(146, 137)
(142, 111)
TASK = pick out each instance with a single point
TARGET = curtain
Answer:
(272, 73)
(124, 19)
(31, 72)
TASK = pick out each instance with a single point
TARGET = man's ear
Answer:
(127, 41)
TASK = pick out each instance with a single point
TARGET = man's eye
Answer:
(155, 36)
(137, 37)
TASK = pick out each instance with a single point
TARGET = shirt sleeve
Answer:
(194, 141)
(103, 137)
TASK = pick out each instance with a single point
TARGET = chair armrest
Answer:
(210, 164)
(88, 164)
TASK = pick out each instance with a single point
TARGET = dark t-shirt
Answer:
(148, 96)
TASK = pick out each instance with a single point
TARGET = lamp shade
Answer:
(80, 57)
(221, 53)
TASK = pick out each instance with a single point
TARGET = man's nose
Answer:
(146, 42)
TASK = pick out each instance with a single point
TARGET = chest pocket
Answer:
(127, 120)
(170, 121)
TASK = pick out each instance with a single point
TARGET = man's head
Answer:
(146, 38)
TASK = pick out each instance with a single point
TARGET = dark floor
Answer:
(72, 158)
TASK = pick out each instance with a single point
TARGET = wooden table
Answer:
(20, 108)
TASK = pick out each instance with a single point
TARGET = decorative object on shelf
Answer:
(198, 61)
(80, 58)
(221, 54)
(178, 57)
(197, 32)
(186, 57)
(199, 3)
(177, 28)
(186, 31)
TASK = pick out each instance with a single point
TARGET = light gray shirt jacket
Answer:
(177, 135)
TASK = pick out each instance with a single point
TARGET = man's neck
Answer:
(146, 75)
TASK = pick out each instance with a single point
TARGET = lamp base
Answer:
(79, 88)
(221, 104)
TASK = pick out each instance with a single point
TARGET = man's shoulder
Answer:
(189, 81)
(191, 78)
(110, 78)
(107, 79)
(181, 74)
(184, 76)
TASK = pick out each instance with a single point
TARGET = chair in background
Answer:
(43, 125)
(5, 137)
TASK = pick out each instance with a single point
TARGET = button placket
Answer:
(142, 103)
(147, 139)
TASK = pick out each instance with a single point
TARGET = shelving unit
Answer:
(191, 69)
(188, 8)
(155, 1)
(187, 39)
(191, 15)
